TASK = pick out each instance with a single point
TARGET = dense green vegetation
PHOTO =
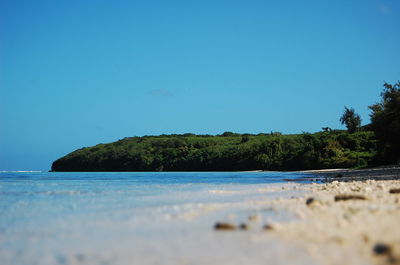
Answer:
(385, 122)
(375, 143)
(228, 151)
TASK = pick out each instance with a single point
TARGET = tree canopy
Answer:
(385, 122)
(351, 119)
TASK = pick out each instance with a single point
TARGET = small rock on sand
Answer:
(224, 226)
(268, 227)
(382, 249)
(345, 197)
(397, 190)
(310, 200)
(244, 226)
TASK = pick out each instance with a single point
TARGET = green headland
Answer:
(359, 146)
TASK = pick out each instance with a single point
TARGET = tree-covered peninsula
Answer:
(228, 151)
(374, 144)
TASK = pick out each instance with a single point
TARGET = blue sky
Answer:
(79, 73)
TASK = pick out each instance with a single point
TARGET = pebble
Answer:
(345, 197)
(268, 227)
(310, 200)
(397, 190)
(382, 249)
(224, 226)
(244, 226)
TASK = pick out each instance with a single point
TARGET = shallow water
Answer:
(136, 218)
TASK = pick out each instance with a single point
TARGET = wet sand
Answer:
(377, 173)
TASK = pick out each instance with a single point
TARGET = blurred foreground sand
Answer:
(353, 222)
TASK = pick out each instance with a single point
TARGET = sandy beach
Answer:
(348, 219)
(351, 221)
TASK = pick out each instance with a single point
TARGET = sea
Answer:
(141, 217)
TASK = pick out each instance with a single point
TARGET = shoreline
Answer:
(345, 175)
(327, 223)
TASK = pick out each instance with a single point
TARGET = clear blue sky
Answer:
(77, 73)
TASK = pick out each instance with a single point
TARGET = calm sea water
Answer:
(121, 218)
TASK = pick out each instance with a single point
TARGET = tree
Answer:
(226, 134)
(351, 119)
(326, 129)
(385, 122)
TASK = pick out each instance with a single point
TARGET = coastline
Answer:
(336, 222)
